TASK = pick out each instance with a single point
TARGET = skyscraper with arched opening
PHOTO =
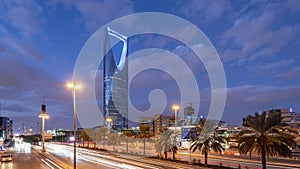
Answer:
(115, 82)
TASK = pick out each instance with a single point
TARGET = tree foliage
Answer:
(266, 136)
(167, 142)
(113, 139)
(85, 135)
(144, 133)
(101, 135)
(127, 135)
(208, 139)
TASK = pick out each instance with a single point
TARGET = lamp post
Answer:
(109, 120)
(43, 116)
(190, 146)
(175, 108)
(74, 86)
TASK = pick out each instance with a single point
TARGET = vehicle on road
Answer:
(6, 157)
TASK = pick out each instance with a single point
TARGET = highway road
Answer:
(25, 158)
(60, 156)
(87, 158)
(226, 160)
(232, 161)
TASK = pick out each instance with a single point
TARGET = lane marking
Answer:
(107, 165)
(113, 164)
(54, 163)
(47, 164)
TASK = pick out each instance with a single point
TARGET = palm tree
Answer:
(174, 148)
(208, 139)
(159, 148)
(167, 142)
(266, 136)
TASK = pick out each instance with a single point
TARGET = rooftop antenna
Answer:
(0, 109)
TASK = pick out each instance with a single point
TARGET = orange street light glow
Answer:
(73, 85)
(44, 115)
(175, 107)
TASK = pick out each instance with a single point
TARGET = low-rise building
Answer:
(289, 116)
(230, 133)
(158, 123)
(162, 122)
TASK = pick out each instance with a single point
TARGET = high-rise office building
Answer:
(188, 111)
(115, 83)
(6, 127)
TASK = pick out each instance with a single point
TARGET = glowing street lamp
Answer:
(175, 107)
(43, 116)
(30, 131)
(109, 120)
(74, 86)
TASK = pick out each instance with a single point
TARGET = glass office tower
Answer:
(115, 82)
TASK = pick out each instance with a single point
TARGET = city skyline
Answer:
(257, 43)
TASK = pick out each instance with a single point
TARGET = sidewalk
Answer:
(162, 163)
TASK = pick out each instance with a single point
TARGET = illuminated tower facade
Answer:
(115, 82)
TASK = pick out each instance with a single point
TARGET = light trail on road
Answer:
(47, 164)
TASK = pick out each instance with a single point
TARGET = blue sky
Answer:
(257, 41)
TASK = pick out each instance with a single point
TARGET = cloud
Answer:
(24, 77)
(23, 85)
(25, 16)
(247, 99)
(93, 14)
(13, 108)
(18, 47)
(291, 74)
(292, 6)
(277, 65)
(207, 11)
(273, 68)
(259, 32)
(97, 13)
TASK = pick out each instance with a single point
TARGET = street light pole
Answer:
(74, 86)
(43, 134)
(190, 146)
(74, 104)
(175, 108)
(109, 120)
(43, 116)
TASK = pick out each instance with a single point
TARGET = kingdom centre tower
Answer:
(115, 82)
